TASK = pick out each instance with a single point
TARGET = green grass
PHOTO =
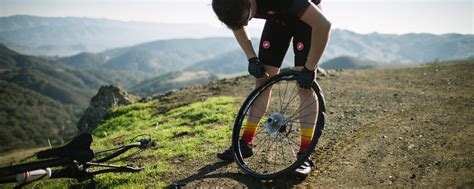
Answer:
(183, 134)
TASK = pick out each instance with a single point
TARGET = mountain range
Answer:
(154, 57)
(65, 36)
(47, 36)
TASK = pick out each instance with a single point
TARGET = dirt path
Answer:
(401, 127)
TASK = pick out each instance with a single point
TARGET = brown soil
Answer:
(410, 127)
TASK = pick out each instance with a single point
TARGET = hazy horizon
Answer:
(361, 16)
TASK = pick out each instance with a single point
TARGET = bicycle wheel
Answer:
(276, 140)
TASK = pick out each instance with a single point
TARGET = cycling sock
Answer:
(306, 137)
(249, 131)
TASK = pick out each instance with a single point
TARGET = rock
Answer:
(107, 97)
(346, 163)
(322, 72)
(390, 178)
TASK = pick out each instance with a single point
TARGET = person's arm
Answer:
(320, 29)
(255, 68)
(244, 41)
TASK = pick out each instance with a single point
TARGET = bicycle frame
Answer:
(30, 172)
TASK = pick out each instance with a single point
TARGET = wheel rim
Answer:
(276, 141)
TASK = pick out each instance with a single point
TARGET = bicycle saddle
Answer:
(78, 149)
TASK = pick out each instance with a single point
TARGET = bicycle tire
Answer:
(236, 133)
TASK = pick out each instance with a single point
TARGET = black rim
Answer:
(275, 152)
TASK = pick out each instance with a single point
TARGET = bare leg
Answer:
(308, 115)
(260, 106)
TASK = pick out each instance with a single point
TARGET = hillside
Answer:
(29, 119)
(409, 127)
(51, 79)
(72, 83)
(347, 62)
(156, 57)
(172, 81)
(399, 49)
(42, 99)
(84, 60)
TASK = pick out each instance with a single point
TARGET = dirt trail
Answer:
(396, 127)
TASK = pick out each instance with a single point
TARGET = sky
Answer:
(361, 16)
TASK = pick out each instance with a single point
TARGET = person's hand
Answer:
(256, 68)
(306, 78)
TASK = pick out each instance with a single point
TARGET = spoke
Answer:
(270, 148)
(296, 118)
(306, 115)
(280, 99)
(286, 89)
(291, 140)
(291, 99)
(283, 152)
(266, 158)
(260, 142)
(301, 109)
(294, 134)
(301, 103)
(303, 122)
(291, 148)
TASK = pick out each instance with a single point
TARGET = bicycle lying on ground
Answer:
(74, 160)
(276, 140)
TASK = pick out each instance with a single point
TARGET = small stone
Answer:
(413, 176)
(400, 138)
(346, 163)
(411, 146)
(384, 136)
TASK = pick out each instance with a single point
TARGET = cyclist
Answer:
(300, 20)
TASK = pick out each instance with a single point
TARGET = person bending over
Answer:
(299, 20)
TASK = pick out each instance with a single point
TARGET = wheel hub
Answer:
(278, 126)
